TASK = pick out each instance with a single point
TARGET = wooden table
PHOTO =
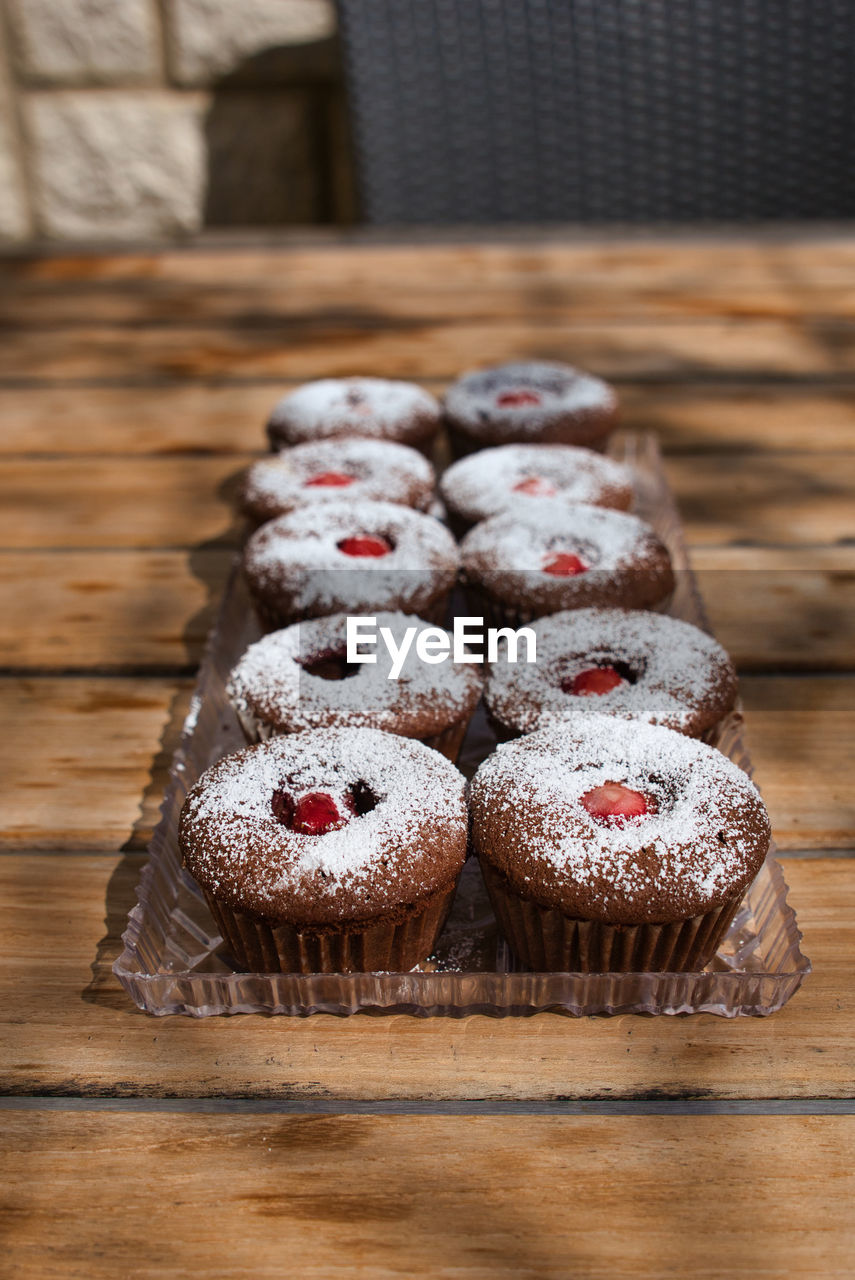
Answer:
(133, 388)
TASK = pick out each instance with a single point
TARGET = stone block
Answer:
(209, 39)
(66, 42)
(116, 165)
(14, 214)
(14, 205)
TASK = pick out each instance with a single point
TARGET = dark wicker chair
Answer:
(535, 111)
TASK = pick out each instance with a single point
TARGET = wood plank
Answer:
(183, 501)
(474, 1197)
(791, 609)
(108, 610)
(801, 737)
(67, 1027)
(105, 743)
(767, 498)
(678, 259)
(436, 348)
(113, 503)
(452, 287)
(96, 777)
(222, 418)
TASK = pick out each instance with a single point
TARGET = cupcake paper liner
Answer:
(548, 941)
(448, 741)
(497, 614)
(258, 946)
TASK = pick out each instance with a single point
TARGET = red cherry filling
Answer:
(614, 804)
(510, 399)
(365, 545)
(312, 815)
(564, 565)
(536, 487)
(596, 680)
(328, 480)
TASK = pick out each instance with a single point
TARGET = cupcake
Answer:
(333, 470)
(523, 565)
(615, 846)
(634, 665)
(517, 478)
(529, 402)
(300, 679)
(352, 558)
(331, 851)
(375, 408)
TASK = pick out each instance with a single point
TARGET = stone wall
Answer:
(151, 119)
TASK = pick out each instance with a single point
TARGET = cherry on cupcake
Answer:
(536, 487)
(594, 682)
(314, 814)
(515, 399)
(328, 480)
(367, 545)
(613, 804)
(565, 564)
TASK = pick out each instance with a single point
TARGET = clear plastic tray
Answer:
(173, 960)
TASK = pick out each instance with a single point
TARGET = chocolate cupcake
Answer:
(300, 679)
(615, 846)
(331, 851)
(523, 565)
(634, 665)
(332, 470)
(517, 477)
(529, 402)
(375, 408)
(349, 557)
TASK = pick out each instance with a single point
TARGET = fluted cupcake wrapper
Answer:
(257, 946)
(547, 941)
(435, 612)
(448, 741)
(497, 614)
(462, 444)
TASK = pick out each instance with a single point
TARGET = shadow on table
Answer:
(210, 563)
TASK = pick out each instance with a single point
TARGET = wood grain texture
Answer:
(104, 749)
(791, 608)
(785, 609)
(103, 1195)
(105, 744)
(774, 497)
(229, 418)
(67, 1027)
(115, 503)
(771, 497)
(713, 348)
(689, 260)
(801, 737)
(108, 610)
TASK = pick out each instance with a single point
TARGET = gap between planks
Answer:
(438, 1107)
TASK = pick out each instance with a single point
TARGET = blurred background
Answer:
(155, 119)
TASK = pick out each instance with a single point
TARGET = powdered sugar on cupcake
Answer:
(520, 399)
(273, 687)
(378, 408)
(328, 470)
(238, 846)
(295, 564)
(703, 839)
(517, 477)
(673, 674)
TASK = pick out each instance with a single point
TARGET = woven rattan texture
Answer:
(528, 111)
